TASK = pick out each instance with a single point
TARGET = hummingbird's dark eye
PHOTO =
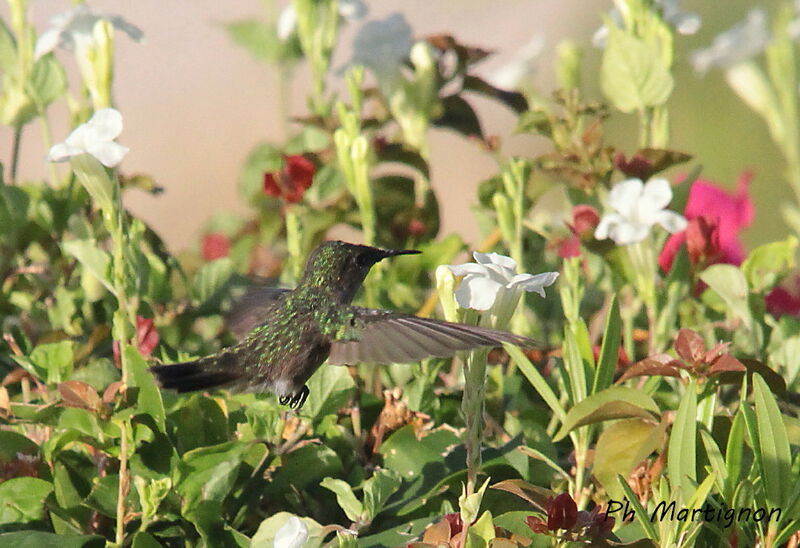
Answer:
(363, 260)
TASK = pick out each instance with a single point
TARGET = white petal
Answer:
(671, 221)
(287, 21)
(47, 42)
(292, 534)
(106, 124)
(468, 268)
(497, 259)
(687, 23)
(656, 195)
(63, 151)
(606, 224)
(352, 10)
(477, 293)
(108, 153)
(629, 233)
(624, 197)
(120, 23)
(536, 283)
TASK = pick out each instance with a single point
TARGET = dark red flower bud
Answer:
(638, 166)
(456, 525)
(291, 182)
(562, 513)
(146, 335)
(215, 246)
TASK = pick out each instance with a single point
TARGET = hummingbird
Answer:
(297, 330)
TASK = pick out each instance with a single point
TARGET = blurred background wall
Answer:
(194, 103)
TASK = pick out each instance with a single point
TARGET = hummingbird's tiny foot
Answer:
(283, 400)
(300, 398)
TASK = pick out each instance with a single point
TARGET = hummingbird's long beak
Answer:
(395, 252)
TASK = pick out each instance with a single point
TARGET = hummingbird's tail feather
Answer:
(195, 375)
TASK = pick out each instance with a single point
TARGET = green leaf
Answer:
(408, 456)
(612, 403)
(330, 388)
(143, 539)
(39, 539)
(14, 204)
(620, 447)
(682, 452)
(208, 473)
(95, 179)
(536, 379)
(609, 352)
(52, 362)
(47, 81)
(730, 284)
(633, 74)
(377, 490)
(642, 517)
(773, 444)
(95, 260)
(22, 499)
(12, 443)
(8, 49)
(768, 263)
(347, 500)
(257, 37)
(302, 470)
(149, 400)
(210, 280)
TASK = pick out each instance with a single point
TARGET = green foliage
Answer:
(630, 371)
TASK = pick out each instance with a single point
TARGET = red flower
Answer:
(292, 181)
(215, 246)
(562, 513)
(728, 213)
(584, 220)
(785, 298)
(146, 335)
(146, 338)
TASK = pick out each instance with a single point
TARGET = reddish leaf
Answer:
(79, 394)
(537, 496)
(690, 346)
(659, 364)
(726, 362)
(111, 391)
(718, 350)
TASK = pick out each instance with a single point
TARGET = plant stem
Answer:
(15, 153)
(472, 407)
(124, 484)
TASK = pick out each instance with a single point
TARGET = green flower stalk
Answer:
(493, 288)
(317, 28)
(89, 147)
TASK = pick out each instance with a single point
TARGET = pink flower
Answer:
(730, 212)
(215, 246)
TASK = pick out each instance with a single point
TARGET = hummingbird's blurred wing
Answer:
(251, 309)
(389, 337)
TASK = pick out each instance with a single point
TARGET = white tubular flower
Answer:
(637, 208)
(292, 534)
(95, 137)
(520, 66)
(486, 281)
(383, 45)
(74, 30)
(741, 42)
(349, 10)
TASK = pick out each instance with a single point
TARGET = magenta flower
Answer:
(732, 213)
